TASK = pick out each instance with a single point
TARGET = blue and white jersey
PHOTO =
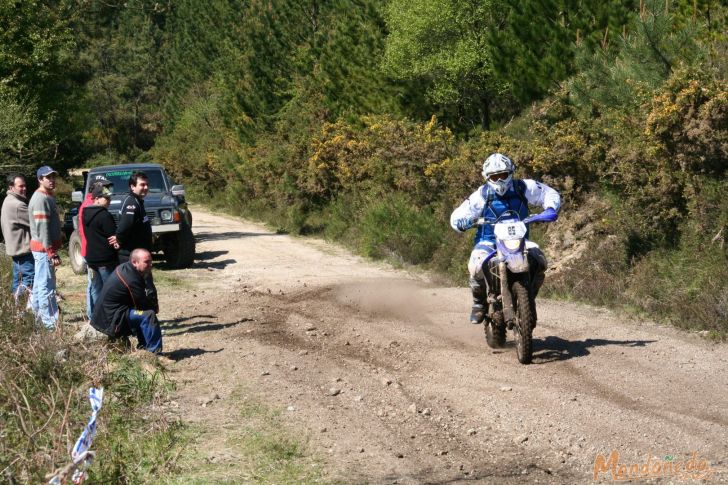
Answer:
(521, 194)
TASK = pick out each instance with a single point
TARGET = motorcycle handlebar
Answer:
(548, 215)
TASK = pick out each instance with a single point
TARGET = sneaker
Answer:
(477, 315)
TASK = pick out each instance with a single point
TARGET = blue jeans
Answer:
(23, 272)
(43, 300)
(96, 279)
(145, 327)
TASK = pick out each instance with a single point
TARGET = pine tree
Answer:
(629, 67)
(533, 42)
(120, 52)
(39, 81)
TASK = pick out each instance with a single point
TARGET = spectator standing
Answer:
(135, 228)
(16, 232)
(88, 201)
(128, 305)
(45, 241)
(100, 232)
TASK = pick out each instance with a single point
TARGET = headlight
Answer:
(511, 244)
(166, 215)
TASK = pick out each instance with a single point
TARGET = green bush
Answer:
(341, 218)
(396, 227)
(686, 287)
(451, 257)
(688, 284)
(599, 276)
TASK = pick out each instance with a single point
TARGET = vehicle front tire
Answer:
(78, 264)
(179, 248)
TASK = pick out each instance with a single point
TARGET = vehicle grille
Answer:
(151, 214)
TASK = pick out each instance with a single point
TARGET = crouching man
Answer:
(128, 303)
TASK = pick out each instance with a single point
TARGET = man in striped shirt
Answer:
(45, 241)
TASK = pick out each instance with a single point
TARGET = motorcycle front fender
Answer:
(517, 262)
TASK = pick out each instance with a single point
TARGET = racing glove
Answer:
(464, 224)
(549, 215)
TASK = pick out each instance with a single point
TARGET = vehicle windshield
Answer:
(120, 179)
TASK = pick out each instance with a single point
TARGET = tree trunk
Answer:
(485, 113)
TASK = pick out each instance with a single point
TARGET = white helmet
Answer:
(498, 172)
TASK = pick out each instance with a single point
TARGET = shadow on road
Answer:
(212, 264)
(180, 354)
(552, 349)
(177, 322)
(218, 236)
(196, 327)
(208, 255)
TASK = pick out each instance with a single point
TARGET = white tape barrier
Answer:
(81, 455)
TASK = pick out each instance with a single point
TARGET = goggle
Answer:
(495, 177)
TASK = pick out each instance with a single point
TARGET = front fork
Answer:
(508, 314)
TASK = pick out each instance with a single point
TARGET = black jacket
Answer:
(124, 290)
(135, 228)
(98, 226)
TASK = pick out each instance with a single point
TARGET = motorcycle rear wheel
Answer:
(495, 331)
(525, 321)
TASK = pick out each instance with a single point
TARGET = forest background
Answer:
(367, 121)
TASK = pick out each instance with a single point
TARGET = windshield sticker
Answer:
(116, 174)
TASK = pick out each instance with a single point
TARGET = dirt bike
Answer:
(511, 301)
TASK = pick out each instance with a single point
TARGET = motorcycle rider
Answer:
(501, 193)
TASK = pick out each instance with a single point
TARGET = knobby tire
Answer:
(526, 321)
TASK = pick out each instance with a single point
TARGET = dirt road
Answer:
(380, 372)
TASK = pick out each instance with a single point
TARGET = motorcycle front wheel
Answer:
(525, 321)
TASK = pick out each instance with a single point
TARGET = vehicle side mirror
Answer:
(77, 196)
(178, 190)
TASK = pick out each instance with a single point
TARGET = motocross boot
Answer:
(477, 314)
(538, 280)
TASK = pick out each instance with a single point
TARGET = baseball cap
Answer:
(101, 191)
(45, 171)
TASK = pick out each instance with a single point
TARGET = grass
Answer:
(671, 286)
(138, 441)
(44, 380)
(73, 289)
(260, 450)
(166, 278)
